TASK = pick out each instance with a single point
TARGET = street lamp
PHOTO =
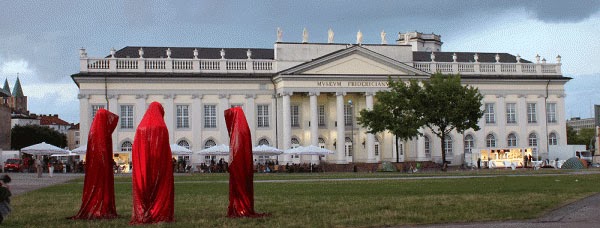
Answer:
(351, 128)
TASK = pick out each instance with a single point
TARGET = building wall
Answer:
(5, 127)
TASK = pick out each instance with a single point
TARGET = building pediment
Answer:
(355, 60)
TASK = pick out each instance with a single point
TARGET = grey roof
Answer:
(17, 91)
(423, 56)
(6, 89)
(188, 53)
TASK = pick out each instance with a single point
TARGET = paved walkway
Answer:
(583, 213)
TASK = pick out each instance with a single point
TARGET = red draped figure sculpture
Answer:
(98, 199)
(241, 186)
(152, 176)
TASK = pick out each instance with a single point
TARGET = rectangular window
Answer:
(531, 113)
(126, 117)
(489, 114)
(95, 109)
(183, 116)
(511, 113)
(295, 115)
(210, 116)
(321, 115)
(348, 115)
(551, 112)
(262, 115)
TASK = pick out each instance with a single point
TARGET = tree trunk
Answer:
(397, 151)
(444, 164)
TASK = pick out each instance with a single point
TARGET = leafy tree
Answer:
(442, 104)
(447, 105)
(572, 138)
(394, 111)
(23, 136)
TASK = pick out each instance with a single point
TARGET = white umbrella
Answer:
(266, 150)
(80, 150)
(43, 149)
(219, 150)
(308, 150)
(61, 155)
(179, 150)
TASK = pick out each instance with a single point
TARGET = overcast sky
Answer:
(40, 40)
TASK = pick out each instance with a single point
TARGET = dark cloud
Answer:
(559, 11)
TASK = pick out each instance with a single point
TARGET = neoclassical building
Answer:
(302, 93)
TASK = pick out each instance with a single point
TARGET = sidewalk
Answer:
(25, 182)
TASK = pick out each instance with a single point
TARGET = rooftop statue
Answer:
(330, 36)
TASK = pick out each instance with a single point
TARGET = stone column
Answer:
(370, 141)
(420, 147)
(314, 123)
(561, 119)
(542, 121)
(522, 121)
(341, 137)
(84, 118)
(140, 108)
(287, 128)
(170, 115)
(501, 121)
(223, 105)
(113, 107)
(196, 121)
(250, 116)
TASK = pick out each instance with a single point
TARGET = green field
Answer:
(330, 200)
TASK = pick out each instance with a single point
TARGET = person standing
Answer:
(38, 166)
(153, 189)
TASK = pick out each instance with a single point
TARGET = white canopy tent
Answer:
(218, 150)
(266, 150)
(180, 150)
(43, 149)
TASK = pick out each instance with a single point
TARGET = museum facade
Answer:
(302, 93)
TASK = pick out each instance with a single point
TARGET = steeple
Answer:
(6, 88)
(17, 91)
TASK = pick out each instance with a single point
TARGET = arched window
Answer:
(533, 140)
(295, 142)
(376, 146)
(126, 146)
(469, 143)
(448, 144)
(321, 142)
(427, 147)
(209, 143)
(263, 142)
(184, 143)
(511, 140)
(490, 141)
(348, 146)
(552, 139)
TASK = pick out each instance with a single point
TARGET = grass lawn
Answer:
(201, 200)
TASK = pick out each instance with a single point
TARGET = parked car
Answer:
(13, 164)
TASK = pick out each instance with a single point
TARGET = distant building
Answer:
(577, 123)
(4, 127)
(16, 100)
(73, 140)
(302, 93)
(53, 122)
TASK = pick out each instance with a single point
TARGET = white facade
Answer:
(299, 95)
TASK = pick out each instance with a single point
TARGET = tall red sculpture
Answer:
(98, 199)
(241, 186)
(152, 176)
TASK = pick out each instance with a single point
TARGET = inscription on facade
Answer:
(351, 84)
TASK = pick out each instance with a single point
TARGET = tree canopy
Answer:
(23, 136)
(441, 104)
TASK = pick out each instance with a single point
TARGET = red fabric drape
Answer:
(98, 199)
(241, 186)
(153, 188)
